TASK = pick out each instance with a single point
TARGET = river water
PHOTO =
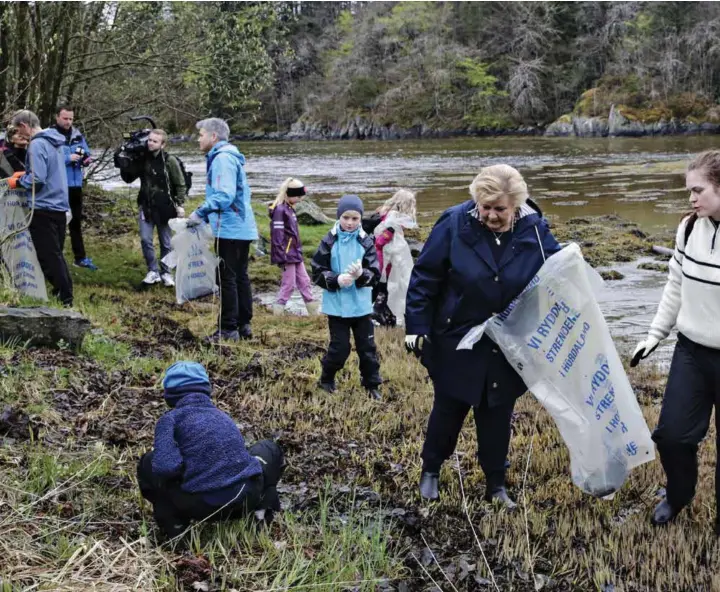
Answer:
(639, 179)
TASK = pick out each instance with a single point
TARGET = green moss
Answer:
(587, 103)
(648, 115)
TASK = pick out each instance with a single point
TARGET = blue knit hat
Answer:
(184, 378)
(349, 202)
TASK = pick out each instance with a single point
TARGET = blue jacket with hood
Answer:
(74, 170)
(336, 251)
(45, 166)
(227, 195)
(197, 443)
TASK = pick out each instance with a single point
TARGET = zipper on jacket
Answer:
(287, 250)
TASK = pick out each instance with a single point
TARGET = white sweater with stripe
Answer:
(691, 298)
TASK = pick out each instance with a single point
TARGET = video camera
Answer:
(134, 144)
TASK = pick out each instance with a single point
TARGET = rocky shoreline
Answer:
(618, 123)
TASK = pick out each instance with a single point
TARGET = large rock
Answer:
(619, 125)
(560, 128)
(50, 327)
(308, 212)
(590, 127)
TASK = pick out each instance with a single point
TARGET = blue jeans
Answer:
(148, 248)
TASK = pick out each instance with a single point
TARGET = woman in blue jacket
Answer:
(480, 255)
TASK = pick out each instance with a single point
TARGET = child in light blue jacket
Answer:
(346, 267)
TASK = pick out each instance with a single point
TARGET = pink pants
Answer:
(294, 276)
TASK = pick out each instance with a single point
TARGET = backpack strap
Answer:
(689, 228)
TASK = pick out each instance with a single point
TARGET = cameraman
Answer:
(77, 156)
(162, 193)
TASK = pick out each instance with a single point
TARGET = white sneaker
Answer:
(152, 277)
(167, 279)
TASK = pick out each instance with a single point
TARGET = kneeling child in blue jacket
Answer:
(200, 468)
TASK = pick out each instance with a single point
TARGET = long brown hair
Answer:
(709, 163)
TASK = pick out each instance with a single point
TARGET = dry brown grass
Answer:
(71, 517)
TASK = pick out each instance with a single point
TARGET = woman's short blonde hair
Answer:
(494, 182)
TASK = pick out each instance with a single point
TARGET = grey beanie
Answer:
(349, 202)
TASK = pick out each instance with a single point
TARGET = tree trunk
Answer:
(4, 57)
(22, 56)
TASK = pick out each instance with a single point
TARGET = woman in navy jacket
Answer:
(480, 255)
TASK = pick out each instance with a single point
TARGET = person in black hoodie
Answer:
(13, 151)
(200, 468)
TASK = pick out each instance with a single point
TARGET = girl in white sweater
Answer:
(690, 300)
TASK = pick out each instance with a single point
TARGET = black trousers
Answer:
(174, 509)
(693, 389)
(76, 240)
(234, 282)
(339, 349)
(493, 435)
(47, 230)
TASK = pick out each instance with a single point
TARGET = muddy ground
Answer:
(72, 425)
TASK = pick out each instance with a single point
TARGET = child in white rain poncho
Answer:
(396, 215)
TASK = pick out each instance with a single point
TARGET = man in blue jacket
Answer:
(200, 468)
(77, 157)
(47, 188)
(228, 209)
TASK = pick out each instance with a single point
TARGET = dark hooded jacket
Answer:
(197, 443)
(284, 235)
(456, 284)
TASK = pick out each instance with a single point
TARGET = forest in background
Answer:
(442, 65)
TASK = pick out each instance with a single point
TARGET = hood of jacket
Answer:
(224, 147)
(51, 135)
(184, 379)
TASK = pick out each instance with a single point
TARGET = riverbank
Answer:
(616, 125)
(72, 425)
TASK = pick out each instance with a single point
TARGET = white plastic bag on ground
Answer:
(18, 252)
(397, 254)
(555, 336)
(193, 257)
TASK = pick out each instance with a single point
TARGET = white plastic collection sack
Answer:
(555, 336)
(397, 254)
(196, 263)
(18, 252)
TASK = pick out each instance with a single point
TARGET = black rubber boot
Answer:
(374, 394)
(429, 485)
(500, 495)
(328, 387)
(663, 514)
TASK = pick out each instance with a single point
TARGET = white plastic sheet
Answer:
(192, 255)
(555, 336)
(397, 254)
(18, 252)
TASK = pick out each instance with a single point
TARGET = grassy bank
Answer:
(73, 424)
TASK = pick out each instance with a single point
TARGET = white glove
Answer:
(194, 220)
(414, 344)
(355, 269)
(345, 280)
(68, 216)
(180, 211)
(643, 350)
